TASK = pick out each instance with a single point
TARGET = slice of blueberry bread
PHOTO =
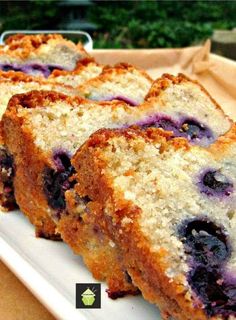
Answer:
(121, 82)
(42, 130)
(170, 210)
(85, 70)
(40, 54)
(10, 84)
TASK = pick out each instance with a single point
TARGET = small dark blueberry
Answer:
(128, 277)
(61, 160)
(56, 182)
(51, 68)
(6, 160)
(192, 129)
(6, 67)
(216, 293)
(213, 183)
(163, 122)
(7, 173)
(205, 242)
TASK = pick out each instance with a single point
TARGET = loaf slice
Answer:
(122, 82)
(42, 130)
(170, 210)
(12, 83)
(40, 54)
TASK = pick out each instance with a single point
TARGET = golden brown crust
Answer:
(36, 99)
(16, 81)
(21, 45)
(164, 82)
(17, 40)
(123, 67)
(167, 79)
(79, 67)
(40, 98)
(17, 76)
(89, 165)
(109, 72)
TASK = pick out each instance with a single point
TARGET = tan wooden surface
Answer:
(16, 301)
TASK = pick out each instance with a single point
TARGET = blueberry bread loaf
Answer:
(40, 54)
(169, 209)
(122, 82)
(12, 83)
(85, 70)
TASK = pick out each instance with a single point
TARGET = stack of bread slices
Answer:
(137, 176)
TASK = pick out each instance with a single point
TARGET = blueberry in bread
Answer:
(169, 209)
(122, 82)
(12, 83)
(40, 54)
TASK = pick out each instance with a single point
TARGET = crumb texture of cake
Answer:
(85, 70)
(121, 82)
(40, 54)
(177, 240)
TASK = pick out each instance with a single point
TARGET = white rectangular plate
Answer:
(50, 270)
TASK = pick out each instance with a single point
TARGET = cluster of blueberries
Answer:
(56, 182)
(7, 174)
(208, 250)
(189, 128)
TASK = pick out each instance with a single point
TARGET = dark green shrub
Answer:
(127, 24)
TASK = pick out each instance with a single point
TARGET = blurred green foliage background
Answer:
(128, 24)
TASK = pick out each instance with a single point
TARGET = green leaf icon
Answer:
(88, 297)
